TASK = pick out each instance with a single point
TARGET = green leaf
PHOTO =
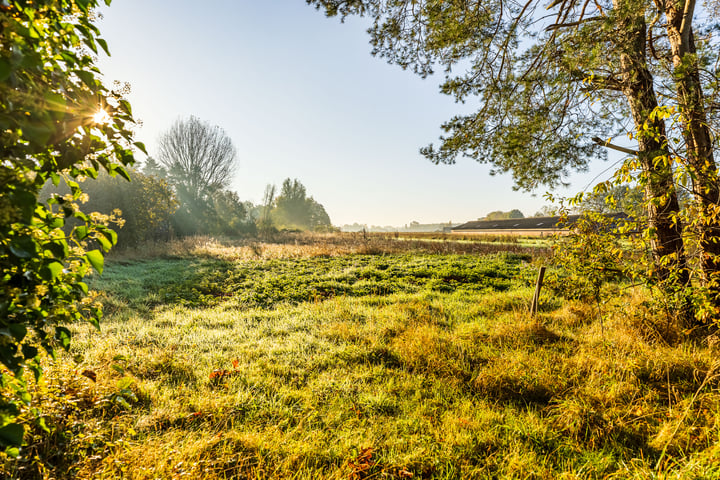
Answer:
(29, 352)
(37, 135)
(5, 69)
(125, 106)
(87, 78)
(104, 243)
(26, 201)
(18, 331)
(58, 248)
(12, 452)
(51, 271)
(63, 335)
(23, 247)
(82, 232)
(11, 435)
(123, 173)
(110, 235)
(96, 259)
(104, 46)
(141, 147)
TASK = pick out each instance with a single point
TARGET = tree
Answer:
(619, 199)
(515, 213)
(153, 168)
(230, 216)
(50, 105)
(500, 215)
(291, 205)
(143, 206)
(265, 223)
(546, 211)
(550, 88)
(200, 160)
(294, 209)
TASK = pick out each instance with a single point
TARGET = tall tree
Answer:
(548, 84)
(200, 159)
(294, 209)
(291, 205)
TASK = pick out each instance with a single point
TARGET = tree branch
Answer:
(606, 144)
(557, 26)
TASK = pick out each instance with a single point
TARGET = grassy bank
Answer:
(305, 361)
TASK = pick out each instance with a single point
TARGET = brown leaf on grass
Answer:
(362, 464)
(89, 374)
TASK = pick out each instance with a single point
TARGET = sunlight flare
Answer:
(101, 117)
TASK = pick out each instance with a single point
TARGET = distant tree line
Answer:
(500, 215)
(184, 191)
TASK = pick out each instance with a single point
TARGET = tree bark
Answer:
(699, 149)
(661, 197)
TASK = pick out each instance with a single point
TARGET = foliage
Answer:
(294, 209)
(591, 259)
(626, 199)
(551, 89)
(199, 160)
(145, 204)
(49, 98)
(229, 216)
(500, 215)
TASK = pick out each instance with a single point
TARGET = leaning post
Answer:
(536, 297)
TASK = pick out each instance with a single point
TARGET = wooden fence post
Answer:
(536, 297)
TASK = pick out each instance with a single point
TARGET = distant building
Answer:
(534, 226)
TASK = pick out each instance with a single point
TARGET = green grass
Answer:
(368, 366)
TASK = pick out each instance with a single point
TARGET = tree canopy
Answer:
(553, 80)
(199, 160)
(294, 209)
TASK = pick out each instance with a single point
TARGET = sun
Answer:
(101, 117)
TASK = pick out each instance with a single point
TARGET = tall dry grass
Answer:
(305, 244)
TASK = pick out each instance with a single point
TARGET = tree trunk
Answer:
(698, 143)
(661, 197)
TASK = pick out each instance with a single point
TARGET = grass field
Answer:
(355, 358)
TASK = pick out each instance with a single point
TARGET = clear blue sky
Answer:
(301, 97)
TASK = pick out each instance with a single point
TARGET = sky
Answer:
(302, 97)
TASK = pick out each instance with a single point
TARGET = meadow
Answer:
(367, 357)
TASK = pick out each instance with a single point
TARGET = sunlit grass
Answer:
(418, 382)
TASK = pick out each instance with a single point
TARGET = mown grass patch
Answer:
(411, 366)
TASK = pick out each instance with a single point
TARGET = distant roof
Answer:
(525, 223)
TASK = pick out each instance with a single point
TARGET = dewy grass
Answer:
(366, 366)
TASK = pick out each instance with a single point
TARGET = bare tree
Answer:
(199, 158)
